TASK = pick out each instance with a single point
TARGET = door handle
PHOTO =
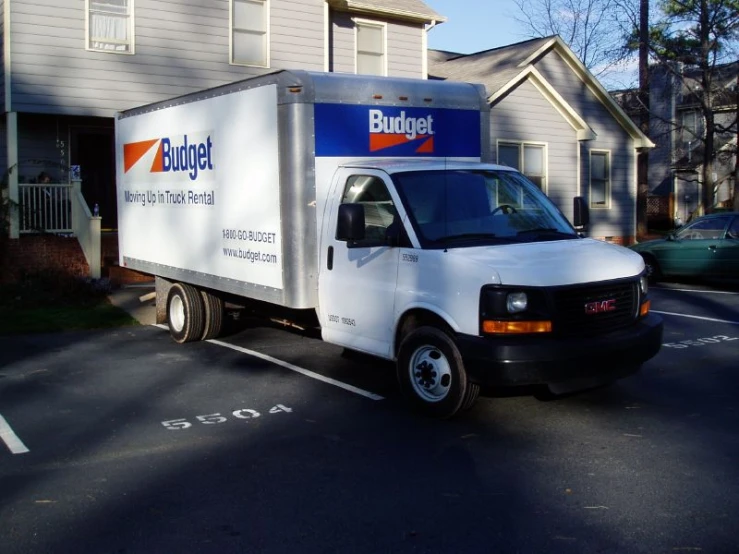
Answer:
(330, 258)
(712, 248)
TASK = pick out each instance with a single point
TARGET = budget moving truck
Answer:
(363, 202)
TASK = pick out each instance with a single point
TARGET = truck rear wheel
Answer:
(213, 315)
(432, 375)
(185, 313)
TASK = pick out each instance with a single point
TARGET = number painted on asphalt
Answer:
(717, 339)
(243, 414)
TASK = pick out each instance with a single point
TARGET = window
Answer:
(379, 209)
(600, 180)
(371, 59)
(249, 24)
(527, 158)
(711, 228)
(110, 25)
(689, 129)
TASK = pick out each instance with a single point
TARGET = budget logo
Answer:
(387, 131)
(172, 155)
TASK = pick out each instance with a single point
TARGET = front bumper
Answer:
(545, 360)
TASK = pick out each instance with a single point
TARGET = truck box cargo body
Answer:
(366, 201)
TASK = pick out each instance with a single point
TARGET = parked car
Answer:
(706, 247)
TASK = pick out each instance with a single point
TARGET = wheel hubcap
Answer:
(431, 375)
(177, 313)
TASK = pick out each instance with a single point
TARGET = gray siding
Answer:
(405, 50)
(341, 43)
(180, 47)
(526, 116)
(619, 219)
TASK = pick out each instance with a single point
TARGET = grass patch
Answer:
(53, 302)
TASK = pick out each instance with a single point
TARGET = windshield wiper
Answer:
(473, 236)
(544, 231)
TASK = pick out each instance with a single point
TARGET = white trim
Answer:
(7, 72)
(609, 181)
(523, 144)
(583, 130)
(131, 32)
(326, 37)
(267, 35)
(373, 9)
(370, 23)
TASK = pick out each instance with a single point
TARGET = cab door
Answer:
(357, 279)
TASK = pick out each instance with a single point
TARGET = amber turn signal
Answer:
(644, 309)
(516, 327)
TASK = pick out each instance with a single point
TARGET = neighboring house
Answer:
(676, 126)
(552, 120)
(69, 66)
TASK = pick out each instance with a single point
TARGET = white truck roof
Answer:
(402, 165)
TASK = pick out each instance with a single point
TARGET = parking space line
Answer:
(698, 317)
(300, 370)
(11, 440)
(291, 367)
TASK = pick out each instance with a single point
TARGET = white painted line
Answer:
(698, 317)
(10, 439)
(698, 290)
(287, 365)
(300, 370)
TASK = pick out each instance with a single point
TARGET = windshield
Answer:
(459, 207)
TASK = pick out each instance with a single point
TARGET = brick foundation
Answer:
(32, 254)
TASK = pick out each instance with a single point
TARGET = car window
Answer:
(379, 209)
(709, 228)
(734, 229)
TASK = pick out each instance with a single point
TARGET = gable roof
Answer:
(501, 70)
(413, 10)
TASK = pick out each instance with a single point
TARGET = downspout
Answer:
(11, 130)
(425, 49)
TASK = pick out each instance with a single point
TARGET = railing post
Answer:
(95, 253)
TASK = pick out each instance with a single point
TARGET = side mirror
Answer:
(581, 212)
(671, 236)
(350, 224)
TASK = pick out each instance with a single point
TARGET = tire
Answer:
(213, 315)
(432, 376)
(654, 273)
(185, 313)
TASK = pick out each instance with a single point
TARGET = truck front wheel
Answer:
(185, 315)
(432, 375)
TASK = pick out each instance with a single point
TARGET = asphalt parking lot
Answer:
(269, 440)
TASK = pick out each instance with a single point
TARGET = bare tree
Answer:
(593, 29)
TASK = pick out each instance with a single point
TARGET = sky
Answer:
(476, 25)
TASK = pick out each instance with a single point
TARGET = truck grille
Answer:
(595, 309)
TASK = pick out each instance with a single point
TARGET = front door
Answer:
(357, 281)
(93, 150)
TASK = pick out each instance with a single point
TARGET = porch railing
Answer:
(45, 208)
(61, 208)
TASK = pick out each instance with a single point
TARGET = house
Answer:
(69, 66)
(552, 120)
(677, 127)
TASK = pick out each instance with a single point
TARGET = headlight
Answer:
(517, 302)
(644, 285)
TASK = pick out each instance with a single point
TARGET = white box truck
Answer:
(364, 202)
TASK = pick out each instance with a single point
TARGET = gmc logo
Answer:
(600, 307)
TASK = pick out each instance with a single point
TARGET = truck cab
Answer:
(467, 275)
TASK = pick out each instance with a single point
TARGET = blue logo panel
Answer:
(388, 131)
